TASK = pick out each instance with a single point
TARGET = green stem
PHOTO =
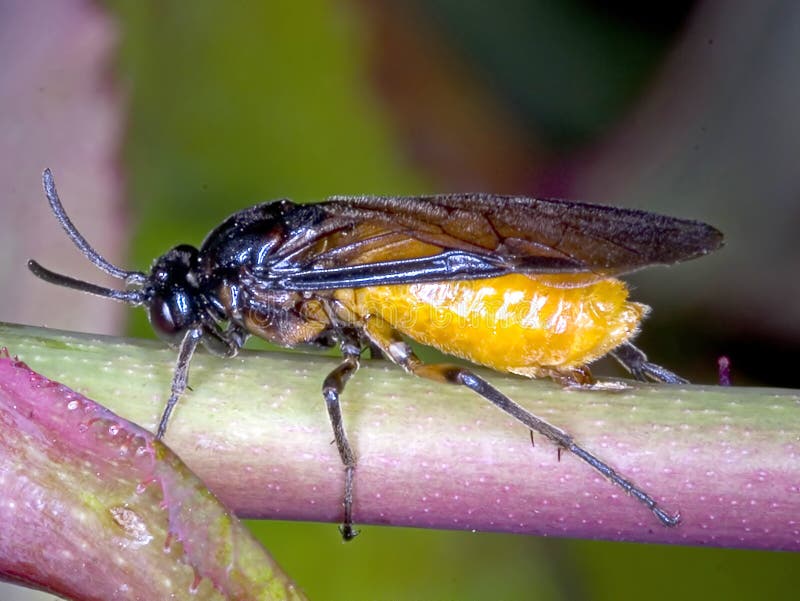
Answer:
(431, 455)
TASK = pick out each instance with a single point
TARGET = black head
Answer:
(170, 292)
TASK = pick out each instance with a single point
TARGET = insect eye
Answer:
(170, 317)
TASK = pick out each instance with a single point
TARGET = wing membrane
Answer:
(374, 240)
(599, 236)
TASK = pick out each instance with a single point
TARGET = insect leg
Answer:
(180, 377)
(635, 361)
(375, 352)
(401, 353)
(332, 388)
(223, 343)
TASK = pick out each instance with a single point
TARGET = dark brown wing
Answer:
(370, 240)
(603, 238)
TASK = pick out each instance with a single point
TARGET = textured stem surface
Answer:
(256, 430)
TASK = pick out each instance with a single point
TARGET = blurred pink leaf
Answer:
(93, 508)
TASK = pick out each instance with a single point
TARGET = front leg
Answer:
(332, 388)
(223, 343)
(180, 377)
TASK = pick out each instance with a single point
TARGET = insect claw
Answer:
(668, 520)
(635, 361)
(348, 532)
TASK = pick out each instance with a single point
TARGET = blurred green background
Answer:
(230, 104)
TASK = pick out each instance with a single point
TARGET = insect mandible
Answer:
(520, 285)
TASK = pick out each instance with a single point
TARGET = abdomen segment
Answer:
(514, 323)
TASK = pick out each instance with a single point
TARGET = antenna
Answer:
(132, 297)
(130, 277)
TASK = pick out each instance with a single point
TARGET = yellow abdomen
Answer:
(513, 323)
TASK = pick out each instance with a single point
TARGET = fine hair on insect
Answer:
(521, 285)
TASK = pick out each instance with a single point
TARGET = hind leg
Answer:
(635, 361)
(396, 349)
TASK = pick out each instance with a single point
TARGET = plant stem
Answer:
(255, 429)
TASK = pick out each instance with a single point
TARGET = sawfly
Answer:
(521, 285)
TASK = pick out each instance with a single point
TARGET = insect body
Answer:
(521, 285)
(513, 323)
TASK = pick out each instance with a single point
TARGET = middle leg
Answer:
(332, 388)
